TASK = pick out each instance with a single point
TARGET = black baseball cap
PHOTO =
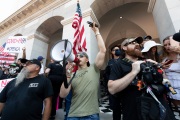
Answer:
(23, 60)
(148, 37)
(35, 61)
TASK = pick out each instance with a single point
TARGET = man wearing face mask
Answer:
(114, 102)
(13, 70)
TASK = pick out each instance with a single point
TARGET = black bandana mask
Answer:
(117, 52)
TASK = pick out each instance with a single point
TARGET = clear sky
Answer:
(8, 7)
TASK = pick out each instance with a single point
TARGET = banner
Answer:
(14, 44)
(5, 61)
(4, 82)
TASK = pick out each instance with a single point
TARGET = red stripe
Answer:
(79, 43)
(10, 55)
(9, 59)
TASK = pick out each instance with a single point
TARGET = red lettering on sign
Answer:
(4, 83)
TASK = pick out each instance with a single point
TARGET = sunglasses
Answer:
(80, 55)
(132, 43)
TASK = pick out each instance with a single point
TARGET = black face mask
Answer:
(117, 52)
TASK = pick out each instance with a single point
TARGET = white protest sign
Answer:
(4, 82)
(14, 44)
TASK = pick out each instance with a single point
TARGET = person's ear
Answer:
(37, 67)
(124, 48)
(87, 60)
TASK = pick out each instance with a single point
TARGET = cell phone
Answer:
(169, 62)
(91, 24)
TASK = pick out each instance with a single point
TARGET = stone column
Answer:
(68, 33)
(37, 45)
(166, 16)
(174, 12)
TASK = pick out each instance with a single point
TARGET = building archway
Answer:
(123, 19)
(51, 29)
(18, 34)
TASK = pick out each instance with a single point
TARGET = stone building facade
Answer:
(45, 22)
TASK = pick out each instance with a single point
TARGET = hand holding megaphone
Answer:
(69, 69)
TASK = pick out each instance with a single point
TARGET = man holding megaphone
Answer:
(84, 103)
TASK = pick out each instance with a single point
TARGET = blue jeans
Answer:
(89, 117)
(68, 104)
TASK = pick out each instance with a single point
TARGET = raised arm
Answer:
(102, 49)
(24, 53)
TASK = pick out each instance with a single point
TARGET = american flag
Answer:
(5, 57)
(79, 43)
(2, 49)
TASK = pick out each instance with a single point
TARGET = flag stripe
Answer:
(79, 43)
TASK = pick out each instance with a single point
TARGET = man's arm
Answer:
(102, 49)
(47, 71)
(1, 107)
(47, 108)
(64, 91)
(24, 53)
(175, 49)
(69, 70)
(118, 85)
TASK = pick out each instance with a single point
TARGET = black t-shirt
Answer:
(109, 67)
(25, 102)
(56, 69)
(130, 93)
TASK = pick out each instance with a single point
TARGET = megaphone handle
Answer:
(65, 44)
(72, 78)
(66, 84)
(64, 72)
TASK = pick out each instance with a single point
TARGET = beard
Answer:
(21, 76)
(134, 52)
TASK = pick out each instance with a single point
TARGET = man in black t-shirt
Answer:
(54, 71)
(123, 74)
(113, 101)
(22, 98)
(123, 82)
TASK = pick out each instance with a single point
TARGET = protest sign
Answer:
(4, 82)
(14, 44)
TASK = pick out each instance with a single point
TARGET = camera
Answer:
(151, 73)
(152, 76)
(91, 24)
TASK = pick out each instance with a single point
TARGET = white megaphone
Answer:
(58, 51)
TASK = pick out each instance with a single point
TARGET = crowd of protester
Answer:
(35, 90)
